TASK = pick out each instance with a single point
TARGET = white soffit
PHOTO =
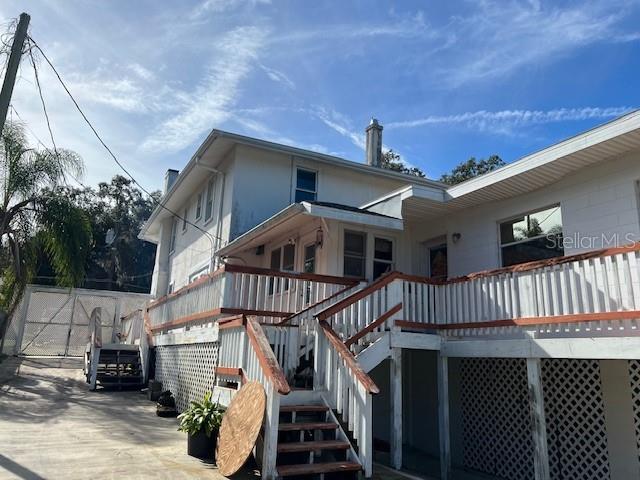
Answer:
(530, 173)
(293, 217)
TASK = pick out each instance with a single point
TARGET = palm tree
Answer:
(35, 218)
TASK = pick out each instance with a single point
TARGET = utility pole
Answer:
(12, 67)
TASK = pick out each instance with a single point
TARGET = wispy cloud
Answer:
(210, 103)
(504, 119)
(278, 76)
(501, 37)
(339, 123)
(219, 6)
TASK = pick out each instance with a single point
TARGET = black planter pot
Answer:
(201, 446)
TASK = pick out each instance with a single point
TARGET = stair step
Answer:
(304, 408)
(309, 446)
(290, 427)
(315, 468)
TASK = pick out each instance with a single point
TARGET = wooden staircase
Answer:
(118, 366)
(312, 444)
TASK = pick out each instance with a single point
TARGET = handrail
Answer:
(359, 295)
(315, 305)
(313, 277)
(549, 262)
(267, 359)
(525, 321)
(349, 359)
(186, 289)
(369, 328)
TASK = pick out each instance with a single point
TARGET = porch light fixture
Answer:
(455, 237)
(319, 238)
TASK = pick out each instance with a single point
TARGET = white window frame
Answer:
(365, 251)
(201, 272)
(295, 186)
(173, 235)
(209, 200)
(199, 206)
(392, 263)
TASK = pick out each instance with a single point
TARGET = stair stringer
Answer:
(340, 433)
(375, 353)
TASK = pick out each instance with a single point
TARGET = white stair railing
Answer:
(245, 347)
(348, 388)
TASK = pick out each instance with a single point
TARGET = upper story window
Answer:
(185, 215)
(199, 206)
(382, 256)
(355, 254)
(172, 240)
(306, 185)
(532, 236)
(208, 209)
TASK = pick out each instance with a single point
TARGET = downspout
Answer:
(212, 263)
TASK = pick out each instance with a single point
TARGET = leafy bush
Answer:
(205, 415)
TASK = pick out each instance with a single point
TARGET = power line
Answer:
(113, 156)
(44, 108)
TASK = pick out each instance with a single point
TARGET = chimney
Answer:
(374, 143)
(169, 179)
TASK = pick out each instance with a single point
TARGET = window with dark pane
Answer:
(354, 254)
(306, 185)
(533, 236)
(382, 256)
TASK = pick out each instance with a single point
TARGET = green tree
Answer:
(391, 160)
(471, 168)
(119, 260)
(35, 220)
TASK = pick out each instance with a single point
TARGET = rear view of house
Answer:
(491, 326)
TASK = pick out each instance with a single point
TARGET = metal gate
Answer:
(55, 322)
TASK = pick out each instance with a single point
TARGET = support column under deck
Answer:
(396, 407)
(538, 421)
(443, 417)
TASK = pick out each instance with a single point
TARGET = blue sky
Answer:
(448, 80)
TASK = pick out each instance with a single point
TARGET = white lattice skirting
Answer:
(496, 422)
(634, 377)
(495, 417)
(187, 370)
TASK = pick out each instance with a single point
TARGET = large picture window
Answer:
(355, 248)
(306, 185)
(532, 236)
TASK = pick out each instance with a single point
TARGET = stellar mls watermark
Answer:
(578, 240)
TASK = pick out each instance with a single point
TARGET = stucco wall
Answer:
(597, 200)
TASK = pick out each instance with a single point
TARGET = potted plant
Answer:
(201, 422)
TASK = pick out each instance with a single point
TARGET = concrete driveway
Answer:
(52, 427)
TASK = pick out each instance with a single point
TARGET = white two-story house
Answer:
(483, 329)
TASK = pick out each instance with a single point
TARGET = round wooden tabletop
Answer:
(240, 427)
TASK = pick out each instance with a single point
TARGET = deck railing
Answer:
(596, 293)
(244, 349)
(266, 294)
